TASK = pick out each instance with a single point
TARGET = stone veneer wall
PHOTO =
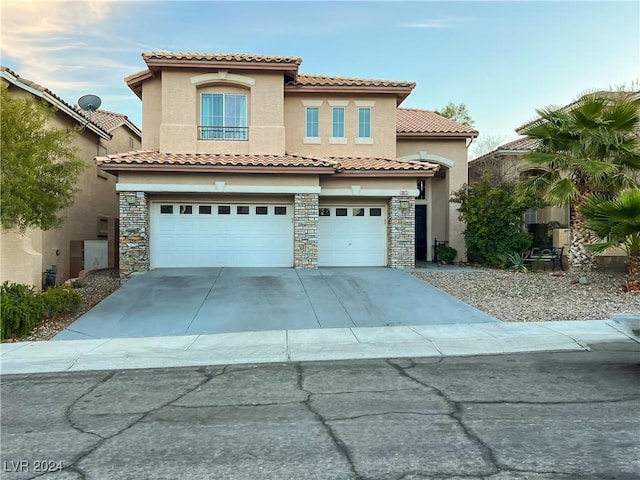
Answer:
(305, 230)
(401, 233)
(134, 233)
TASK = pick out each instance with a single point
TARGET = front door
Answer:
(421, 232)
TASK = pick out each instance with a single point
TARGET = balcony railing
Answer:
(223, 133)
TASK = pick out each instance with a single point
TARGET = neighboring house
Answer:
(247, 162)
(94, 214)
(508, 162)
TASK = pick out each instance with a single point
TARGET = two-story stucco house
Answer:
(245, 161)
(94, 213)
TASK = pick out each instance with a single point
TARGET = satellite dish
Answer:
(89, 103)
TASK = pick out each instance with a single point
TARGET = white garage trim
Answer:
(356, 191)
(221, 234)
(352, 235)
(217, 187)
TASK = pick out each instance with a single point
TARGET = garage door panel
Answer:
(355, 238)
(221, 235)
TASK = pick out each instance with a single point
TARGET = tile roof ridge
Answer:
(364, 79)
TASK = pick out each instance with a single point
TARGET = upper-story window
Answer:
(223, 116)
(364, 122)
(337, 126)
(312, 127)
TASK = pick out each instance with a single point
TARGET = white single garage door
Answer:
(352, 236)
(221, 235)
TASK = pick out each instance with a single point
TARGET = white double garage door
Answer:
(187, 234)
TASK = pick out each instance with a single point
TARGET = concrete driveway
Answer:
(192, 301)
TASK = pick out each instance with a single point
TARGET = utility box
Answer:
(96, 254)
(562, 238)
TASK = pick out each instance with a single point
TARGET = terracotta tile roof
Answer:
(56, 99)
(524, 144)
(519, 145)
(144, 158)
(382, 164)
(154, 157)
(107, 119)
(326, 80)
(416, 121)
(220, 57)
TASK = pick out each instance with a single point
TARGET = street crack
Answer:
(339, 444)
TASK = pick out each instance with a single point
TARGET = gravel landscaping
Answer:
(536, 296)
(96, 286)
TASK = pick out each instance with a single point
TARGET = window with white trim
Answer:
(531, 216)
(337, 125)
(223, 116)
(364, 122)
(312, 125)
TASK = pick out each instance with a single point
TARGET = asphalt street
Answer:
(536, 416)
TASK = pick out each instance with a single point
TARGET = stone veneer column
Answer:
(401, 233)
(305, 230)
(134, 233)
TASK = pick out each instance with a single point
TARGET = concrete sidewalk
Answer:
(308, 345)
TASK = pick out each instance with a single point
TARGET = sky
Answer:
(502, 59)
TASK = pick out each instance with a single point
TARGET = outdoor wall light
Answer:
(131, 199)
(404, 204)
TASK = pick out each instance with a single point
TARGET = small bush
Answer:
(60, 300)
(76, 284)
(21, 309)
(447, 254)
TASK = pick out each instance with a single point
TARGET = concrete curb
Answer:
(306, 345)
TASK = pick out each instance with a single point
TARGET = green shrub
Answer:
(493, 216)
(447, 254)
(60, 300)
(21, 309)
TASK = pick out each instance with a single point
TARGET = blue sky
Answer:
(503, 59)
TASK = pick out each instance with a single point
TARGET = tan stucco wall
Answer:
(171, 112)
(402, 183)
(210, 178)
(21, 257)
(151, 113)
(383, 126)
(444, 215)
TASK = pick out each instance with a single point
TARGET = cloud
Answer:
(442, 22)
(65, 46)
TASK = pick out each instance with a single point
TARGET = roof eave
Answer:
(196, 63)
(150, 167)
(442, 135)
(400, 92)
(386, 173)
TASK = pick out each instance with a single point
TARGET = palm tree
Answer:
(590, 145)
(617, 222)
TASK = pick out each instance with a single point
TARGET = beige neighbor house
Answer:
(550, 225)
(94, 214)
(247, 162)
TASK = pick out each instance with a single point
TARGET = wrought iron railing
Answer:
(223, 133)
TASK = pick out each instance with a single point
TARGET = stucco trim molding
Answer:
(223, 77)
(364, 141)
(338, 140)
(338, 103)
(217, 187)
(431, 158)
(365, 103)
(357, 191)
(312, 140)
(312, 103)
